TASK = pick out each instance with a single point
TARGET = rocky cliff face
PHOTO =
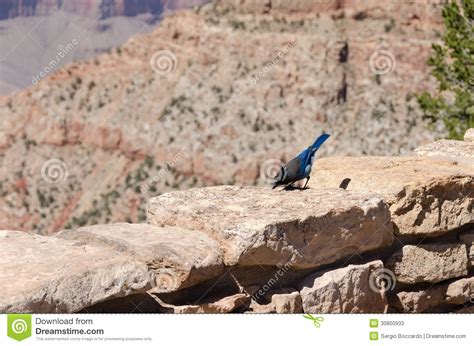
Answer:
(38, 37)
(92, 8)
(212, 96)
(382, 242)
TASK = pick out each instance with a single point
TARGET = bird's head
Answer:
(280, 176)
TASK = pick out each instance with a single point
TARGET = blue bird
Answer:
(299, 167)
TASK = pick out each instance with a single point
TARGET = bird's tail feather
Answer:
(319, 141)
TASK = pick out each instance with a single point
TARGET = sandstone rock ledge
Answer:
(372, 234)
(177, 257)
(428, 196)
(48, 274)
(260, 226)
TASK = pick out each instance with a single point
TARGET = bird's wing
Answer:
(304, 159)
(294, 169)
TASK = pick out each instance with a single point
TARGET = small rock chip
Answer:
(287, 303)
(469, 135)
(468, 239)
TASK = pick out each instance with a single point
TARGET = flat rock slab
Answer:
(179, 257)
(427, 196)
(48, 274)
(351, 289)
(448, 148)
(428, 263)
(259, 226)
(455, 293)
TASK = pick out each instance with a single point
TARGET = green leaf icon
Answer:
(19, 326)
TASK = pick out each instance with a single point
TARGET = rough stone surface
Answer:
(224, 305)
(468, 239)
(260, 226)
(48, 274)
(179, 257)
(469, 135)
(365, 8)
(448, 148)
(256, 308)
(428, 263)
(466, 309)
(461, 291)
(344, 290)
(287, 303)
(427, 196)
(418, 301)
(455, 293)
(278, 6)
(284, 301)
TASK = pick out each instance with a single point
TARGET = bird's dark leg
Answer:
(306, 183)
(289, 186)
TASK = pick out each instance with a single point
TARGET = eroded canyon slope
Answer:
(207, 98)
